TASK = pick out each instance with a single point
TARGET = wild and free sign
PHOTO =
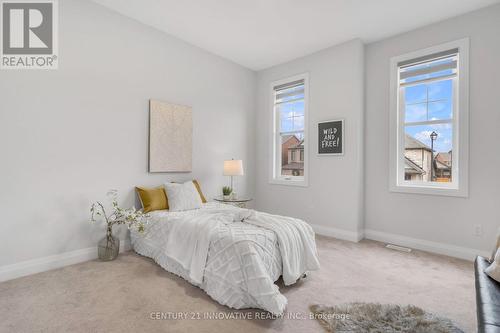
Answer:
(331, 137)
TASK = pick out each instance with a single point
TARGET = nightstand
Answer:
(240, 202)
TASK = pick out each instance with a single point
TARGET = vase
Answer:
(108, 247)
(226, 197)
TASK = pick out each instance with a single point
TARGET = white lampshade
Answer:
(233, 168)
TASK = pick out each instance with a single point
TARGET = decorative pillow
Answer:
(152, 198)
(198, 188)
(492, 258)
(182, 196)
(493, 270)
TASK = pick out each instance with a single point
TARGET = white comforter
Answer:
(296, 242)
(234, 254)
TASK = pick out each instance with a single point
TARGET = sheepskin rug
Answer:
(380, 318)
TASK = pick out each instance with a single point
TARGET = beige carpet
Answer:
(120, 296)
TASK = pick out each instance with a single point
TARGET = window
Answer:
(289, 109)
(429, 120)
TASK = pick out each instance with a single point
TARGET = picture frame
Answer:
(170, 137)
(331, 134)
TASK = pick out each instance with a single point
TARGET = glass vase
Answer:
(108, 247)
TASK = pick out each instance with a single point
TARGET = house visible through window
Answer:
(429, 87)
(289, 107)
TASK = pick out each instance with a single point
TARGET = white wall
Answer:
(69, 135)
(442, 220)
(333, 199)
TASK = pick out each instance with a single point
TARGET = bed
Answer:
(235, 255)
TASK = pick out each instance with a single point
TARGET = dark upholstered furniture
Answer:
(487, 299)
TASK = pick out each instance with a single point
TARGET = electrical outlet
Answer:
(478, 230)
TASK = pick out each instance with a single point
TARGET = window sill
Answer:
(430, 190)
(289, 182)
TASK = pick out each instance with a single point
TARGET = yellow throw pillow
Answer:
(198, 187)
(152, 198)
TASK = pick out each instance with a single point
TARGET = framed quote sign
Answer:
(331, 137)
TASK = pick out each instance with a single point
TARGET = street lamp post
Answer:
(433, 136)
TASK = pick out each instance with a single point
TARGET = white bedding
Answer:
(235, 262)
(296, 243)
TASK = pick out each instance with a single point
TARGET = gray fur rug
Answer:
(380, 318)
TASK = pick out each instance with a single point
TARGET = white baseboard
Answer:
(43, 264)
(352, 236)
(424, 245)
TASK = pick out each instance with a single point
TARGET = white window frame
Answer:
(275, 154)
(460, 168)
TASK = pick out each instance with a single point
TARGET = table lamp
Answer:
(233, 168)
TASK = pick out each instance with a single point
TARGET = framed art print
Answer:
(331, 137)
(170, 137)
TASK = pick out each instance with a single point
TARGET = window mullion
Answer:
(291, 132)
(427, 102)
(430, 122)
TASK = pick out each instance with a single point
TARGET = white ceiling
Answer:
(261, 33)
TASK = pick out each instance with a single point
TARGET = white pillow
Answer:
(182, 196)
(497, 245)
(493, 270)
